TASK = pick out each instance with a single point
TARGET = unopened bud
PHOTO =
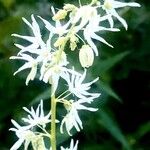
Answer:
(73, 46)
(60, 41)
(38, 143)
(69, 7)
(61, 14)
(107, 4)
(73, 42)
(73, 38)
(86, 56)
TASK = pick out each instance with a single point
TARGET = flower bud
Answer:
(73, 42)
(61, 14)
(73, 46)
(38, 143)
(86, 56)
(69, 7)
(107, 4)
(60, 41)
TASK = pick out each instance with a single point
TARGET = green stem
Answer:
(53, 122)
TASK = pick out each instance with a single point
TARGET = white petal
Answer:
(118, 4)
(47, 25)
(28, 23)
(90, 42)
(94, 36)
(17, 144)
(28, 38)
(32, 74)
(124, 23)
(55, 79)
(25, 66)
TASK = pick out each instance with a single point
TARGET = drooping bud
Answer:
(67, 104)
(38, 143)
(73, 46)
(86, 56)
(61, 14)
(73, 42)
(60, 41)
(107, 4)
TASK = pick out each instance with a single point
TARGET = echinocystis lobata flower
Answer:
(110, 7)
(25, 136)
(28, 134)
(80, 89)
(72, 118)
(37, 117)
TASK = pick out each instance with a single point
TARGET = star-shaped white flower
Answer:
(53, 71)
(25, 136)
(72, 146)
(37, 117)
(80, 89)
(35, 40)
(41, 51)
(110, 7)
(31, 63)
(72, 118)
(85, 14)
(92, 27)
(58, 29)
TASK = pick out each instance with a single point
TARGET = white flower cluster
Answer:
(28, 134)
(49, 60)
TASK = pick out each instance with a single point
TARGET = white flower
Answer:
(92, 27)
(110, 5)
(40, 50)
(85, 13)
(72, 146)
(31, 63)
(58, 28)
(72, 118)
(25, 136)
(54, 70)
(37, 117)
(79, 89)
(35, 40)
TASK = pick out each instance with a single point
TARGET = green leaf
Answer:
(9, 26)
(109, 90)
(108, 123)
(105, 65)
(145, 128)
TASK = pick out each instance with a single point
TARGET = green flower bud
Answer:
(73, 46)
(38, 143)
(61, 14)
(69, 7)
(107, 4)
(60, 41)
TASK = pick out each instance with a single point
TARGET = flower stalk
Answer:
(53, 123)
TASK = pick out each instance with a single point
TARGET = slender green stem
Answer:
(53, 122)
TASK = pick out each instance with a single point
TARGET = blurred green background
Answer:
(123, 119)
